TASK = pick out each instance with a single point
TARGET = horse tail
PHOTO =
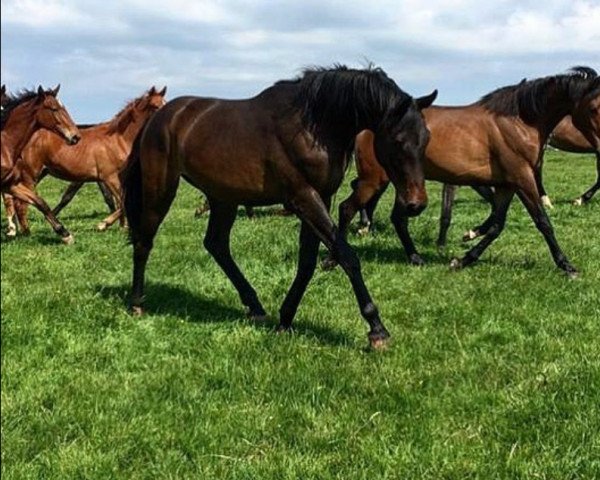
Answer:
(132, 189)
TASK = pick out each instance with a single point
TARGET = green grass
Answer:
(494, 371)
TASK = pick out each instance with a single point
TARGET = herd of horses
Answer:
(291, 145)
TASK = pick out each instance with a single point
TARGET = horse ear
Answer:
(426, 101)
(152, 90)
(163, 91)
(4, 89)
(40, 91)
(55, 91)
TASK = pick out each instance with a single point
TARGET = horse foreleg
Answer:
(9, 205)
(314, 211)
(400, 223)
(587, 196)
(530, 197)
(113, 185)
(25, 194)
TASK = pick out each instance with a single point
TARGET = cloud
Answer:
(106, 52)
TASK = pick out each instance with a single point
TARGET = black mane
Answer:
(13, 101)
(529, 98)
(337, 102)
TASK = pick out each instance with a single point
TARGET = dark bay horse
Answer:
(496, 142)
(583, 138)
(100, 156)
(290, 144)
(22, 116)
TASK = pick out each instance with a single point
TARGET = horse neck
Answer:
(134, 126)
(558, 105)
(19, 129)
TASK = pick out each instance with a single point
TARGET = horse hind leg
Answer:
(448, 194)
(587, 196)
(502, 199)
(67, 196)
(148, 198)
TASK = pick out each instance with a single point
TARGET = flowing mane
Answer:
(337, 102)
(13, 101)
(116, 124)
(529, 98)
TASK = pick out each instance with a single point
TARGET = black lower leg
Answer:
(400, 223)
(448, 194)
(587, 196)
(216, 242)
(307, 262)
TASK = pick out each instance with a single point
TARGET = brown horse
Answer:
(99, 157)
(290, 144)
(494, 142)
(583, 138)
(22, 116)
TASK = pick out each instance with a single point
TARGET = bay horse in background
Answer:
(290, 144)
(22, 116)
(99, 157)
(576, 133)
(495, 142)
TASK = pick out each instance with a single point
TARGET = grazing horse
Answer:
(578, 133)
(22, 116)
(496, 142)
(100, 155)
(290, 144)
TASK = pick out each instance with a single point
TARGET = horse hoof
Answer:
(470, 235)
(416, 260)
(572, 274)
(364, 231)
(455, 264)
(328, 264)
(546, 202)
(11, 233)
(68, 240)
(281, 329)
(379, 343)
(578, 202)
(137, 311)
(102, 226)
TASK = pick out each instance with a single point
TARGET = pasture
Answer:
(493, 371)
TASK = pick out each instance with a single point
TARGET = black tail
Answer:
(131, 180)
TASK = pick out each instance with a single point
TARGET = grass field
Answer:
(493, 372)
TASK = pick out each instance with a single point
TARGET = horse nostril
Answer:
(74, 139)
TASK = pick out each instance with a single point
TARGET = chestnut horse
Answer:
(100, 155)
(290, 144)
(22, 116)
(583, 138)
(496, 142)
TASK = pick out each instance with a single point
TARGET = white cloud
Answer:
(234, 48)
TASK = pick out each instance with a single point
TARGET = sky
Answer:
(107, 52)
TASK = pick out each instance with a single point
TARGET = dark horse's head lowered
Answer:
(337, 103)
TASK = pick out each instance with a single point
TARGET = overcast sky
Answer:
(106, 52)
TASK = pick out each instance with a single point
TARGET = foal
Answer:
(99, 157)
(22, 116)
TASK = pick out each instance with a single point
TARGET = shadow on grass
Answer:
(173, 300)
